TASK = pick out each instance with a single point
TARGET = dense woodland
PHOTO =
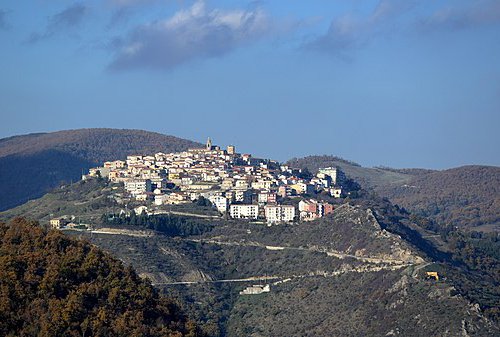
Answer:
(52, 285)
(465, 197)
(170, 225)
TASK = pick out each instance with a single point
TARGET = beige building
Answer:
(302, 188)
(58, 223)
(231, 149)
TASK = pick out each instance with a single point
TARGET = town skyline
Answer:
(238, 185)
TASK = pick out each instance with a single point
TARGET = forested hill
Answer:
(30, 165)
(52, 285)
(467, 196)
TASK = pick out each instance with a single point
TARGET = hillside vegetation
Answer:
(467, 196)
(31, 165)
(52, 285)
(365, 262)
(344, 274)
(369, 178)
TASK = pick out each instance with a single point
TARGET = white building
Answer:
(117, 164)
(263, 184)
(256, 289)
(329, 171)
(242, 196)
(336, 192)
(134, 160)
(220, 202)
(244, 211)
(99, 172)
(279, 213)
(241, 184)
(161, 199)
(139, 210)
(138, 186)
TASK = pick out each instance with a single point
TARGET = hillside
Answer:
(369, 178)
(31, 165)
(347, 273)
(52, 285)
(365, 263)
(467, 196)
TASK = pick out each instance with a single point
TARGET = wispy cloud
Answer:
(63, 21)
(190, 34)
(3, 20)
(476, 14)
(349, 32)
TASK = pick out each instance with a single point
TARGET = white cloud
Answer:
(193, 33)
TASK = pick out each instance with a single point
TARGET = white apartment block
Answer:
(244, 211)
(279, 213)
(138, 186)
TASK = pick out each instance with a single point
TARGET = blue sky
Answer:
(382, 82)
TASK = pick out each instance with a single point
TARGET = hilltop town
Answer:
(238, 185)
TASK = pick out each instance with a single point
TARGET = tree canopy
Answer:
(53, 285)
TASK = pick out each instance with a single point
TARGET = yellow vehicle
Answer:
(432, 274)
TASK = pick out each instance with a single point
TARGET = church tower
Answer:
(209, 144)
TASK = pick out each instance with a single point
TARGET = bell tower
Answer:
(209, 144)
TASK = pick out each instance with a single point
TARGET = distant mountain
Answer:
(467, 196)
(53, 285)
(31, 165)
